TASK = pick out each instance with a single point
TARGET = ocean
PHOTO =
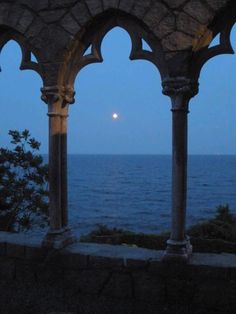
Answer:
(133, 192)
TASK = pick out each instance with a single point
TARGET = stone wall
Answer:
(51, 29)
(93, 278)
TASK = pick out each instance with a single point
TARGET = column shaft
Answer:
(58, 98)
(55, 171)
(64, 189)
(179, 173)
(180, 89)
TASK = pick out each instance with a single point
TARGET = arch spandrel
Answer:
(15, 21)
(93, 37)
(27, 61)
(221, 26)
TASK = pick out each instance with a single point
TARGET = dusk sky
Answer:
(133, 90)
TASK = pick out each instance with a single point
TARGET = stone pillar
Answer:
(68, 99)
(180, 90)
(58, 99)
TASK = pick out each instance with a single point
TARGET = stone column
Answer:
(68, 99)
(180, 90)
(57, 100)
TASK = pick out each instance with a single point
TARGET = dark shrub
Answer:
(23, 183)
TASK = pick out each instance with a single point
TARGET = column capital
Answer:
(52, 94)
(180, 90)
(180, 85)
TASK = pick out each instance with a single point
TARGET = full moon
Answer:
(115, 116)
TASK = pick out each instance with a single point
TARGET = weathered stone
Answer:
(3, 248)
(53, 49)
(72, 261)
(49, 274)
(4, 11)
(165, 27)
(61, 3)
(70, 24)
(105, 262)
(217, 4)
(216, 295)
(140, 8)
(87, 281)
(232, 272)
(179, 291)
(136, 264)
(110, 4)
(81, 13)
(180, 58)
(35, 28)
(210, 273)
(174, 3)
(14, 15)
(119, 286)
(37, 254)
(148, 288)
(25, 21)
(155, 15)
(7, 268)
(126, 6)
(52, 16)
(36, 5)
(187, 24)
(177, 41)
(50, 72)
(95, 6)
(157, 268)
(25, 271)
(15, 250)
(199, 11)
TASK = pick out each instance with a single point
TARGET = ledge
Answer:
(10, 242)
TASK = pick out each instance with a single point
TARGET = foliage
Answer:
(223, 226)
(104, 234)
(23, 183)
(214, 235)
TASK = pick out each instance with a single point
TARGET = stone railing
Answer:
(95, 278)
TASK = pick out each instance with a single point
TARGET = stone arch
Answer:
(221, 26)
(15, 22)
(26, 63)
(15, 16)
(76, 57)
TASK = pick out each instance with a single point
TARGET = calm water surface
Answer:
(134, 192)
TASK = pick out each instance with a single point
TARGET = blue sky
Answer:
(133, 90)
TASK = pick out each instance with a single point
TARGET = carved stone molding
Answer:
(223, 47)
(87, 48)
(52, 94)
(180, 86)
(27, 51)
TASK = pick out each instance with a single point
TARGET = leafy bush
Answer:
(223, 226)
(215, 235)
(104, 234)
(23, 183)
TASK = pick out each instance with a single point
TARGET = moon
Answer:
(115, 116)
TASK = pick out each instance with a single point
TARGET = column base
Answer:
(178, 251)
(58, 239)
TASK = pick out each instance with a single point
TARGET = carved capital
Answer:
(180, 86)
(53, 94)
(50, 94)
(69, 95)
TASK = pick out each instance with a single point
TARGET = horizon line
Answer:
(142, 154)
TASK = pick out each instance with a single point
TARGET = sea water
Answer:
(133, 192)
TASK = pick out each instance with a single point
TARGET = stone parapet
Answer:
(116, 274)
